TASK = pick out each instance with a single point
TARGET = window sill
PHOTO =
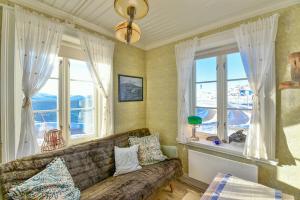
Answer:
(81, 138)
(233, 149)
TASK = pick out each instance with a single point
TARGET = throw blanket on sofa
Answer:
(226, 186)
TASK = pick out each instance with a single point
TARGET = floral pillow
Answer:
(54, 182)
(149, 149)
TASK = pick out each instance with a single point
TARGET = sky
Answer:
(206, 68)
(206, 71)
(78, 71)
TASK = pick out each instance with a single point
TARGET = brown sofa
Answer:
(91, 165)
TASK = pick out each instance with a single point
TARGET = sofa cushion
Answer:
(136, 185)
(149, 149)
(126, 160)
(54, 182)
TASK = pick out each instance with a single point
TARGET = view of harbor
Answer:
(239, 95)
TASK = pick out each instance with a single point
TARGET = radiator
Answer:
(204, 167)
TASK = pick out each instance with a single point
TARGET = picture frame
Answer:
(130, 88)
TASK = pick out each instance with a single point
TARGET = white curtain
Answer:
(256, 43)
(38, 42)
(185, 53)
(99, 53)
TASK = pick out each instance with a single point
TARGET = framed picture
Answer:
(130, 88)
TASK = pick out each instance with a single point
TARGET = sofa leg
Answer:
(171, 184)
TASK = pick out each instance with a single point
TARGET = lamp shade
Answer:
(194, 120)
(121, 32)
(141, 8)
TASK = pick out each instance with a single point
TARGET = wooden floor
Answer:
(181, 191)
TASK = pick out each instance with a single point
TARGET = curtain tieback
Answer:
(26, 102)
(256, 96)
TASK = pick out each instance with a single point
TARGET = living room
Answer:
(137, 99)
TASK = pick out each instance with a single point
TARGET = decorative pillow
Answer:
(149, 149)
(54, 182)
(126, 160)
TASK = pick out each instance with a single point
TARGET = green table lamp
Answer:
(194, 121)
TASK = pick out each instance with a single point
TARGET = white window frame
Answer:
(72, 51)
(66, 116)
(221, 74)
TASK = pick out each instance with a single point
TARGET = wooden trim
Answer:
(193, 182)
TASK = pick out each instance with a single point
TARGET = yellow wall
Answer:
(129, 60)
(162, 104)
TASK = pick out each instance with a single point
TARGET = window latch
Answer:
(225, 124)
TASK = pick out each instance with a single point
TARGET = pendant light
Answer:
(128, 34)
(128, 31)
(125, 7)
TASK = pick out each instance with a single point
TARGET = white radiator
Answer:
(204, 167)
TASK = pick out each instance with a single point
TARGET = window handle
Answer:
(225, 124)
(218, 124)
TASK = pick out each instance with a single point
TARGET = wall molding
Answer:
(69, 18)
(193, 182)
(7, 82)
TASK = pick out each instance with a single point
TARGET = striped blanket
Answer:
(226, 186)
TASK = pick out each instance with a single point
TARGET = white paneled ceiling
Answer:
(167, 20)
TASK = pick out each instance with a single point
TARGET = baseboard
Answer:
(193, 182)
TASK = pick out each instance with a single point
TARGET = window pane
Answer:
(209, 120)
(47, 97)
(82, 122)
(206, 94)
(239, 95)
(235, 68)
(44, 121)
(238, 120)
(79, 70)
(82, 94)
(206, 69)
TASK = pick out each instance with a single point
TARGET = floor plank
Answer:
(181, 191)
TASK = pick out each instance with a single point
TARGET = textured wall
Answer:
(129, 60)
(162, 105)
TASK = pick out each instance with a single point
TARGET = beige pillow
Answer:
(149, 149)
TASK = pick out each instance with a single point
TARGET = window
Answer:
(206, 94)
(239, 95)
(45, 105)
(222, 96)
(82, 99)
(68, 100)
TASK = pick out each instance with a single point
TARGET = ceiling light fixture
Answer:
(128, 31)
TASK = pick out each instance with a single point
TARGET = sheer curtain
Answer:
(38, 41)
(185, 53)
(256, 43)
(99, 53)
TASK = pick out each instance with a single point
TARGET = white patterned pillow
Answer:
(54, 182)
(149, 149)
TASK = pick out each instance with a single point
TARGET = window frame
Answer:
(66, 109)
(221, 72)
(63, 109)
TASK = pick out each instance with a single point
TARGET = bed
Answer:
(226, 187)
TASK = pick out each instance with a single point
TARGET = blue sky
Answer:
(206, 68)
